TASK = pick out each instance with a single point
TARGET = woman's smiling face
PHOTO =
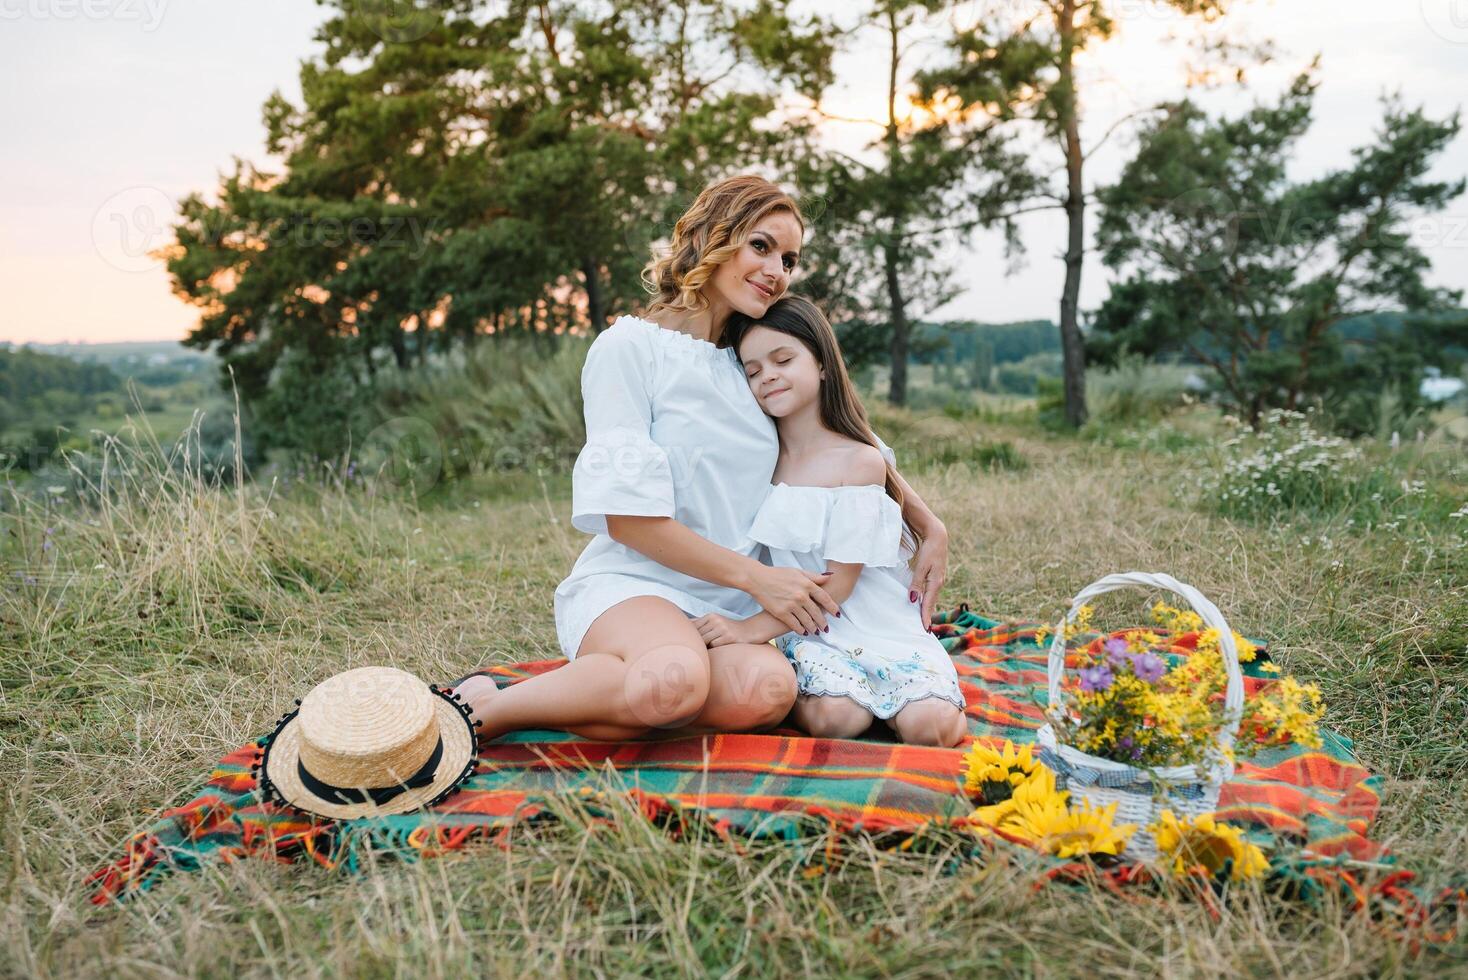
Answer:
(760, 272)
(783, 373)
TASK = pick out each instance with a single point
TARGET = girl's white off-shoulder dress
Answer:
(877, 652)
(672, 430)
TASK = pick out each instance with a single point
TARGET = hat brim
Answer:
(282, 750)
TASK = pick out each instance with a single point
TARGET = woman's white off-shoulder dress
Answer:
(672, 430)
(877, 651)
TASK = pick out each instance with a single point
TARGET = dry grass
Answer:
(123, 684)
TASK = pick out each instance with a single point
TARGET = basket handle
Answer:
(1233, 698)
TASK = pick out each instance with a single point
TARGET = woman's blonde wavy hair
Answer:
(708, 234)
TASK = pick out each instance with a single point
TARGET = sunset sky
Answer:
(113, 109)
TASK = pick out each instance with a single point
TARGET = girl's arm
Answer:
(916, 512)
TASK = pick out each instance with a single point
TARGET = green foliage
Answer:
(1017, 61)
(984, 454)
(874, 260)
(459, 171)
(1237, 267)
(41, 392)
(312, 408)
(45, 391)
(506, 404)
(1136, 390)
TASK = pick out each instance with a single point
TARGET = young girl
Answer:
(834, 505)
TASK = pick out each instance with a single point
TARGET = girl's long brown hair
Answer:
(708, 234)
(841, 409)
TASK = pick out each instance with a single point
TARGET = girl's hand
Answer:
(930, 567)
(794, 597)
(720, 631)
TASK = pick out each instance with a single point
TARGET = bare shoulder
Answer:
(862, 464)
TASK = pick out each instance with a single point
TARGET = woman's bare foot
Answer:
(477, 690)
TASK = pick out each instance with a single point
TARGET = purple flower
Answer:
(1115, 651)
(1096, 678)
(1148, 667)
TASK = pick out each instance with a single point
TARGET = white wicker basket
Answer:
(1101, 782)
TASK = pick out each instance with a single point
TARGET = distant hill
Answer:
(158, 363)
(134, 352)
(960, 340)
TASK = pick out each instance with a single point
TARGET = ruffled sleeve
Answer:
(620, 470)
(860, 525)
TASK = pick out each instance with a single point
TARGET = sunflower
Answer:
(991, 775)
(1203, 843)
(1037, 815)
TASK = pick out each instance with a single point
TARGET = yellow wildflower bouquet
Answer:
(1148, 702)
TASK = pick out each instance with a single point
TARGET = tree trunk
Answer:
(400, 348)
(897, 393)
(1072, 344)
(595, 299)
(422, 339)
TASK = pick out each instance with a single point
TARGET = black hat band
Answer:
(378, 795)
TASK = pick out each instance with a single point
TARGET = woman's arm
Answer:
(672, 543)
(930, 563)
(762, 627)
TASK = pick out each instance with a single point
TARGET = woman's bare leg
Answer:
(641, 666)
(751, 688)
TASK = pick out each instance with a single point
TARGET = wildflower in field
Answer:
(1204, 844)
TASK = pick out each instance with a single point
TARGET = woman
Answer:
(678, 459)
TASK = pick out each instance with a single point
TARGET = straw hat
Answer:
(368, 742)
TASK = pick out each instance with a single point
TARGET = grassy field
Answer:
(153, 634)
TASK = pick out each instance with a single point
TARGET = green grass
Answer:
(213, 609)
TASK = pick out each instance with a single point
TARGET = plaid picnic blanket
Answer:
(1313, 807)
